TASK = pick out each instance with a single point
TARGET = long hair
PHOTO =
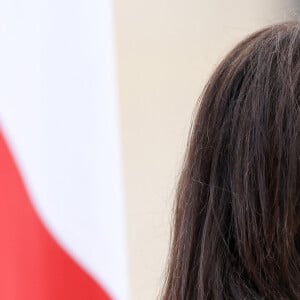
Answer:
(236, 231)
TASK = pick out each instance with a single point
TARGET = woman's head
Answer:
(236, 228)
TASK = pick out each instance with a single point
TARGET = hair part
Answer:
(236, 232)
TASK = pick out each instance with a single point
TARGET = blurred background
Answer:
(96, 101)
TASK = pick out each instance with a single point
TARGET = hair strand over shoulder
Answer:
(236, 231)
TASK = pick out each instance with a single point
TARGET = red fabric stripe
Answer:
(32, 264)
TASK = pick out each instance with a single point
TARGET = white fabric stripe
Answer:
(58, 106)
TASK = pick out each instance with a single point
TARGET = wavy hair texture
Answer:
(236, 231)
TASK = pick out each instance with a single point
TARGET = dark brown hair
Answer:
(236, 231)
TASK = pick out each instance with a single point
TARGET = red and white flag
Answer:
(62, 220)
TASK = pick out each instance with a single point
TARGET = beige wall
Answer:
(166, 51)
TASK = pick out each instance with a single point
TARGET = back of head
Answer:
(236, 228)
